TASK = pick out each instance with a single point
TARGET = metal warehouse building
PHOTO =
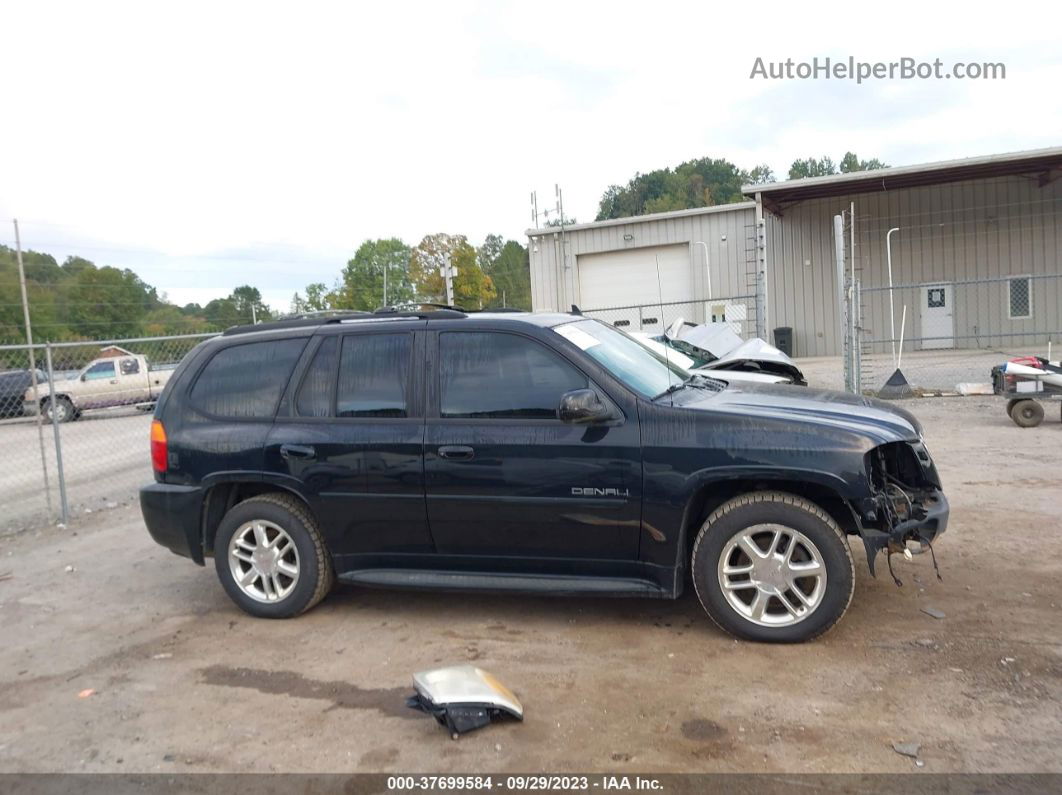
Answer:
(976, 253)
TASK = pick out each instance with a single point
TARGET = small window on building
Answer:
(935, 298)
(1020, 297)
(246, 380)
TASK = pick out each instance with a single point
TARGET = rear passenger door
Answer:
(506, 478)
(351, 441)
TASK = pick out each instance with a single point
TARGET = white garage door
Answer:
(629, 278)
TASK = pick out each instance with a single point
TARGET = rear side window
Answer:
(315, 394)
(246, 380)
(502, 376)
(374, 376)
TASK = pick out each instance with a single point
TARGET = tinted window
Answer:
(130, 366)
(246, 380)
(502, 376)
(100, 370)
(315, 394)
(374, 376)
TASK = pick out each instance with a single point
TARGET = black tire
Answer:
(64, 410)
(1011, 404)
(316, 574)
(796, 514)
(1027, 413)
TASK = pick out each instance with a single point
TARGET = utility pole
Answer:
(33, 367)
(448, 272)
(563, 244)
(254, 315)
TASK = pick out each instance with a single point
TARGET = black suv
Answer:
(539, 453)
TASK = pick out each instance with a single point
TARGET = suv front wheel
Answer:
(770, 566)
(270, 557)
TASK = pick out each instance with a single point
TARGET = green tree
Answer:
(850, 162)
(106, 302)
(361, 285)
(317, 299)
(249, 305)
(812, 167)
(510, 271)
(221, 313)
(696, 183)
(824, 166)
(760, 175)
(473, 288)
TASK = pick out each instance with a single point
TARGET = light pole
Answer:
(892, 311)
(707, 267)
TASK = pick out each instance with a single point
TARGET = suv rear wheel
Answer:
(270, 557)
(770, 566)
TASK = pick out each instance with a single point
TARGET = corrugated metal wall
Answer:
(554, 288)
(948, 233)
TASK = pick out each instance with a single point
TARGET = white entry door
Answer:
(938, 316)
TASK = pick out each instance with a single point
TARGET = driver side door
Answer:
(505, 478)
(100, 385)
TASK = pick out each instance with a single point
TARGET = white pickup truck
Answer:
(103, 383)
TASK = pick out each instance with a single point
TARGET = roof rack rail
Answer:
(299, 320)
(426, 311)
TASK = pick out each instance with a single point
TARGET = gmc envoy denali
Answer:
(537, 453)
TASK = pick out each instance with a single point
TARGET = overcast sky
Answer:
(209, 145)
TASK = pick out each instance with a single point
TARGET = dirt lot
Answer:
(182, 681)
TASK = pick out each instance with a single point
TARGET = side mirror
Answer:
(582, 407)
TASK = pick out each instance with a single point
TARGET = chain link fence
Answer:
(81, 444)
(739, 312)
(945, 337)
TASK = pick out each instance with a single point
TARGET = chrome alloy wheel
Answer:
(772, 575)
(264, 561)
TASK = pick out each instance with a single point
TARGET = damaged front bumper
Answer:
(905, 501)
(928, 519)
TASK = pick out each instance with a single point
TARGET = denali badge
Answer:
(589, 491)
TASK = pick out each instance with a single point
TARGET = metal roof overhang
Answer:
(1043, 165)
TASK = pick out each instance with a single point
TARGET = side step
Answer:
(542, 584)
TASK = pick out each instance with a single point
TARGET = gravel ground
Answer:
(135, 661)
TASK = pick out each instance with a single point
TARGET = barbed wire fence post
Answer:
(32, 366)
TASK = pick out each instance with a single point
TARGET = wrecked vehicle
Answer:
(716, 350)
(536, 453)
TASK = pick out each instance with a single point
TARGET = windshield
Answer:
(641, 369)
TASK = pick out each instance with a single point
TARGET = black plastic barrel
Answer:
(783, 340)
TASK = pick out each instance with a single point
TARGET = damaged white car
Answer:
(714, 349)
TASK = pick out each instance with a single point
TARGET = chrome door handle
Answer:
(457, 452)
(299, 451)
